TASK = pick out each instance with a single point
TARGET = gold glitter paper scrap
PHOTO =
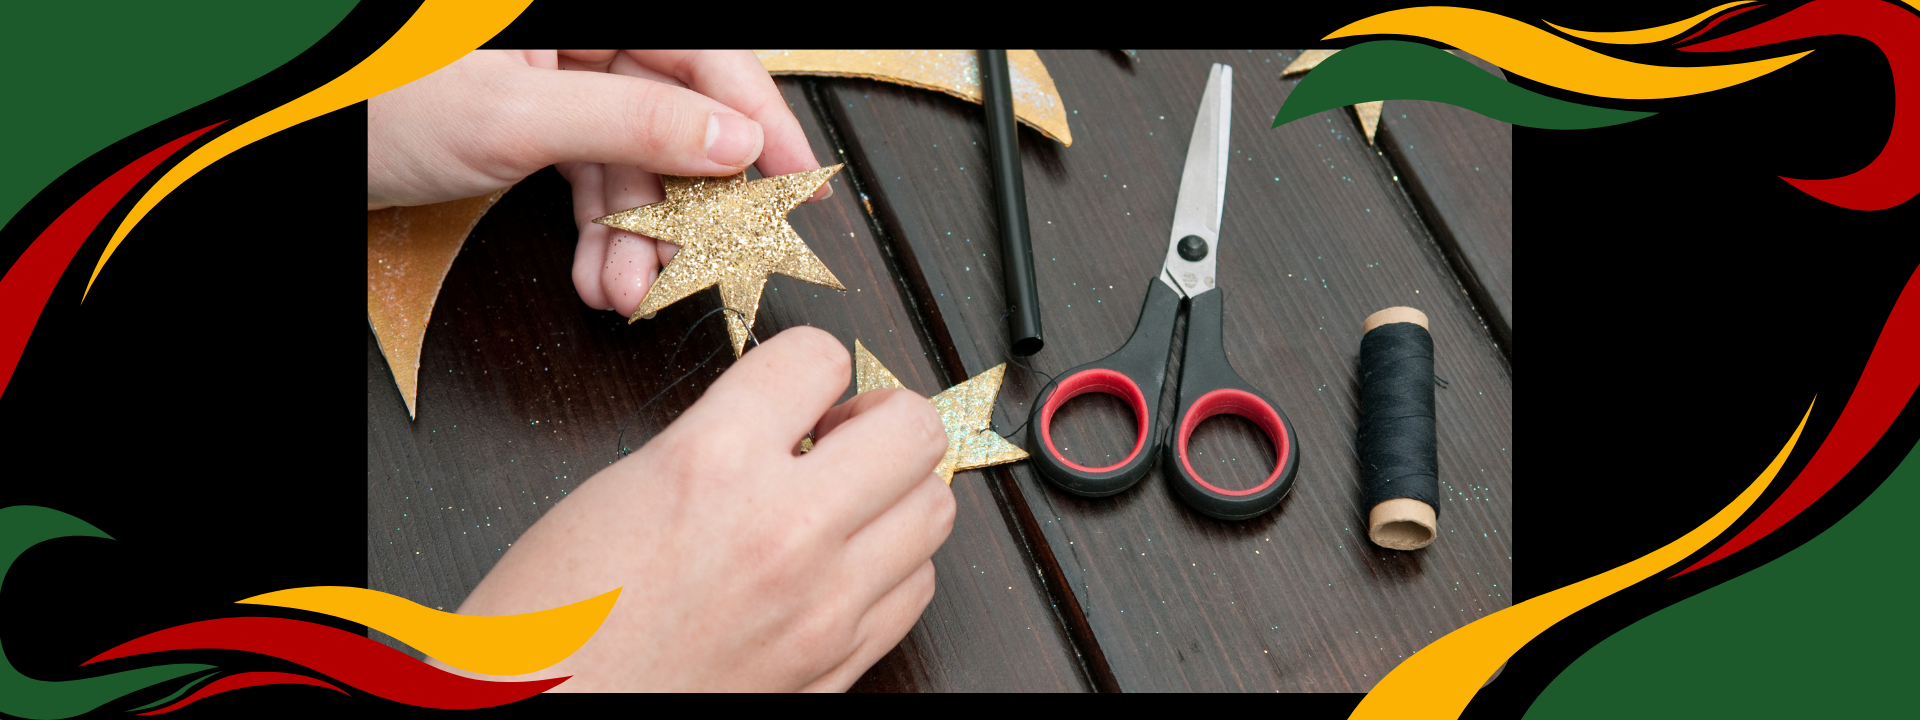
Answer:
(1308, 60)
(1036, 101)
(868, 373)
(731, 233)
(409, 251)
(966, 411)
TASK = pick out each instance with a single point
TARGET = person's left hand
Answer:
(609, 120)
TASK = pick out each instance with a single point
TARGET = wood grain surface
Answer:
(524, 390)
(1458, 167)
(1316, 235)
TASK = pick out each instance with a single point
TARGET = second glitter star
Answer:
(966, 411)
(733, 233)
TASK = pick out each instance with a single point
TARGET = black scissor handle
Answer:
(1208, 387)
(1134, 373)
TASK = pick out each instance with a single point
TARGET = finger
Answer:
(736, 78)
(881, 630)
(877, 456)
(553, 117)
(592, 60)
(904, 536)
(777, 391)
(590, 253)
(632, 262)
(624, 64)
(840, 413)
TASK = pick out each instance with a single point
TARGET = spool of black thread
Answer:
(1399, 457)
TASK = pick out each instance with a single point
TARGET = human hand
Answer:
(747, 566)
(609, 120)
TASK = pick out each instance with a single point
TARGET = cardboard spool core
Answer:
(1401, 523)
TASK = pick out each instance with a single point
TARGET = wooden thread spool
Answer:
(1400, 523)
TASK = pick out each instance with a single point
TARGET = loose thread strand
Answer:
(1029, 368)
(621, 450)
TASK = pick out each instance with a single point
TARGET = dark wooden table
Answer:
(523, 391)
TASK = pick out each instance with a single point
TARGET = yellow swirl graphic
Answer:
(1439, 680)
(502, 645)
(1647, 35)
(1536, 54)
(438, 33)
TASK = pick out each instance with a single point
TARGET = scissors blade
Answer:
(1203, 188)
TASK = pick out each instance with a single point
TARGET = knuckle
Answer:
(827, 635)
(923, 585)
(919, 413)
(705, 454)
(820, 348)
(655, 121)
(945, 508)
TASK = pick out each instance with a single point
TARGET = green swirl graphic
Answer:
(22, 527)
(1398, 70)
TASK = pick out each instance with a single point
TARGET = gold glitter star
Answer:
(731, 233)
(966, 411)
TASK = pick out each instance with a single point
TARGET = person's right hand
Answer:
(747, 565)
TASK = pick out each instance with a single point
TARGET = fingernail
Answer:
(732, 140)
(825, 191)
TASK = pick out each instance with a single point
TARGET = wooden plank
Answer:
(1458, 166)
(1317, 235)
(524, 392)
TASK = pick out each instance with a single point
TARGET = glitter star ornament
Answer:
(1036, 101)
(966, 411)
(409, 251)
(732, 232)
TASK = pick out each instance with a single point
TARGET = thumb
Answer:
(561, 116)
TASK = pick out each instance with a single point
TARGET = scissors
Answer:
(1208, 384)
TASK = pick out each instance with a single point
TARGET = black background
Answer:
(1687, 305)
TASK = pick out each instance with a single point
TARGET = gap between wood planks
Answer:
(1443, 243)
(937, 340)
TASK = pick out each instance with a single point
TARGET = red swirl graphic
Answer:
(1890, 179)
(1889, 380)
(28, 284)
(353, 659)
(244, 680)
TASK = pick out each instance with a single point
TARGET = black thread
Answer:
(620, 444)
(1029, 368)
(1399, 456)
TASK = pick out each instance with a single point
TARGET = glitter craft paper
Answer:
(1368, 112)
(731, 233)
(966, 411)
(409, 251)
(955, 72)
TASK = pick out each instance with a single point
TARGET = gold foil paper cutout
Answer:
(955, 72)
(1368, 112)
(733, 233)
(409, 251)
(966, 411)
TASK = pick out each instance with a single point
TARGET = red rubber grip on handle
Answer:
(1243, 404)
(1100, 380)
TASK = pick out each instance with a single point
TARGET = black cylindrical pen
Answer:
(1016, 252)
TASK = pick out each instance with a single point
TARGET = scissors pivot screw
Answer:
(1193, 248)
